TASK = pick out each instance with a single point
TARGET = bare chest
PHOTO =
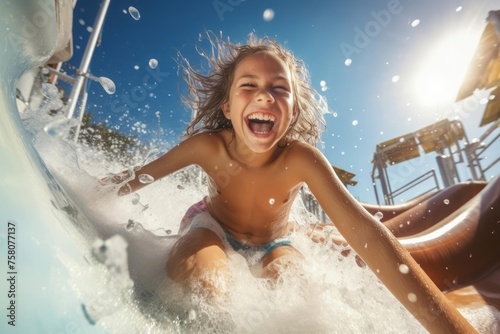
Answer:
(252, 201)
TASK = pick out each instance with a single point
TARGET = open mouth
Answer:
(261, 123)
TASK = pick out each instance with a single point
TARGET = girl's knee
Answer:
(195, 253)
(279, 259)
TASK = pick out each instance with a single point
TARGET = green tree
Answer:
(114, 145)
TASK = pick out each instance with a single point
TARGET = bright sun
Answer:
(443, 68)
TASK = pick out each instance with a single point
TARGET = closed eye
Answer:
(282, 88)
(247, 84)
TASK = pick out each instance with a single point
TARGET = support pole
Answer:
(87, 56)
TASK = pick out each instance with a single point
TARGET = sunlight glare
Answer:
(441, 71)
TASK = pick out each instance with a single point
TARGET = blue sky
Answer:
(407, 59)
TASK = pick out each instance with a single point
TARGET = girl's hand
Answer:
(116, 178)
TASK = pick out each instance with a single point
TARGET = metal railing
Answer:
(430, 175)
(479, 149)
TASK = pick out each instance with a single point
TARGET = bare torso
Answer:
(252, 202)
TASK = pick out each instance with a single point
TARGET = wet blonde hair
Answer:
(206, 93)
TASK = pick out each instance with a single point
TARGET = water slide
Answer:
(453, 234)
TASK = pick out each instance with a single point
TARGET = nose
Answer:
(264, 95)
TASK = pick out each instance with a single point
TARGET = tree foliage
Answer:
(114, 145)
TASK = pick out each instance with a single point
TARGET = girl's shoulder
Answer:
(302, 154)
(209, 140)
(300, 149)
(209, 136)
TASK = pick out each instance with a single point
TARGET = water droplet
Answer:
(322, 83)
(378, 215)
(366, 245)
(134, 13)
(50, 91)
(412, 297)
(268, 15)
(135, 199)
(348, 62)
(52, 101)
(395, 78)
(153, 63)
(146, 179)
(192, 315)
(81, 21)
(355, 122)
(324, 89)
(136, 67)
(108, 85)
(271, 201)
(446, 201)
(130, 225)
(459, 8)
(415, 23)
(403, 268)
(60, 128)
(168, 232)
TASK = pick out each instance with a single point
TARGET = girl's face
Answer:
(260, 102)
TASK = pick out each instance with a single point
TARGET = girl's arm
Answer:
(376, 245)
(193, 150)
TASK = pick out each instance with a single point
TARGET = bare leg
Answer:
(198, 260)
(279, 259)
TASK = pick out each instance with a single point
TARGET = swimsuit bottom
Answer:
(198, 216)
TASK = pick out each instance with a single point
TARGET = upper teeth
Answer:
(262, 117)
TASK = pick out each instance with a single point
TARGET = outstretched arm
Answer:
(194, 150)
(381, 251)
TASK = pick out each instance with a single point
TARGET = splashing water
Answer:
(146, 179)
(108, 85)
(153, 63)
(134, 13)
(268, 15)
(60, 128)
(378, 215)
(52, 100)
